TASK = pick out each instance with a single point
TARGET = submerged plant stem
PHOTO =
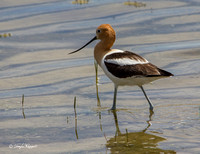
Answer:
(23, 107)
(75, 114)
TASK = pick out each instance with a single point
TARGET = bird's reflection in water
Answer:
(97, 92)
(135, 142)
(131, 142)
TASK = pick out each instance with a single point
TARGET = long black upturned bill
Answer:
(84, 45)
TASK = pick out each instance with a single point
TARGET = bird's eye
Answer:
(98, 31)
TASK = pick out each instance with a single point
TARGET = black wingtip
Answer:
(165, 73)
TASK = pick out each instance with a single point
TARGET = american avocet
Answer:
(124, 68)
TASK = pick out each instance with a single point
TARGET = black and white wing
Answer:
(123, 64)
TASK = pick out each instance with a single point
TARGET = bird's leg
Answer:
(114, 99)
(150, 104)
(97, 82)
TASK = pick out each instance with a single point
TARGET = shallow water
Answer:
(35, 62)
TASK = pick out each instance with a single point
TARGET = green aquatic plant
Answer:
(80, 2)
(5, 35)
(136, 4)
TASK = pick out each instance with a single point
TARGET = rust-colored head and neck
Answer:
(106, 34)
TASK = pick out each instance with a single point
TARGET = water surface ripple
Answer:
(34, 61)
